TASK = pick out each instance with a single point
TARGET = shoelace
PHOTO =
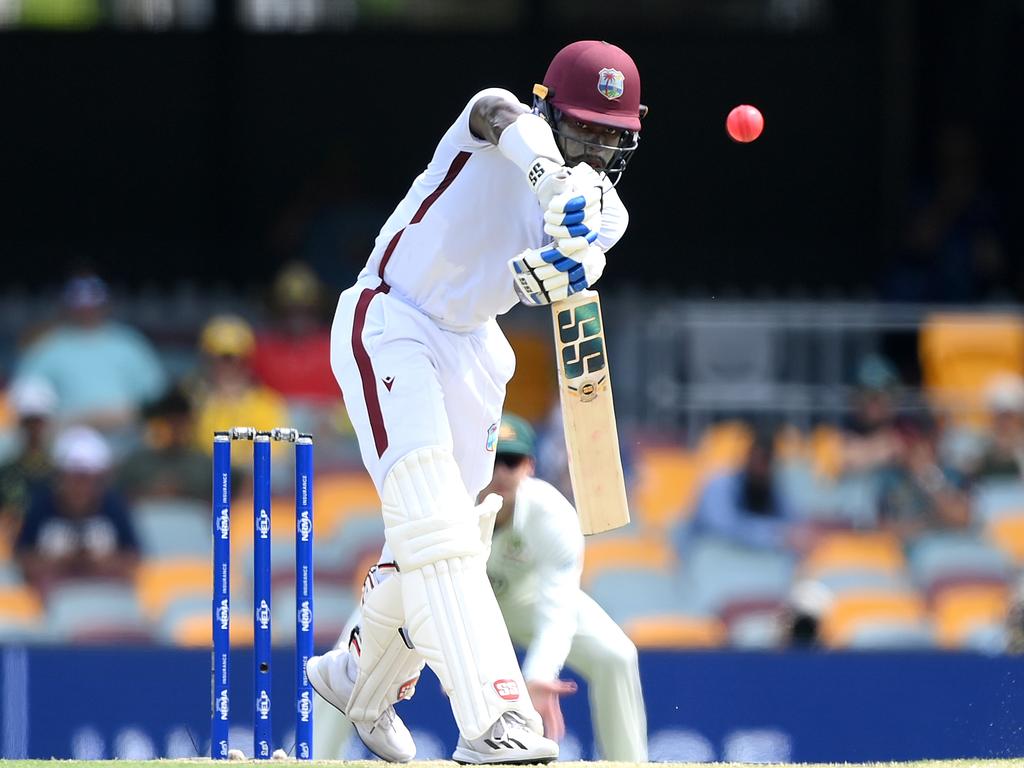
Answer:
(501, 728)
(386, 719)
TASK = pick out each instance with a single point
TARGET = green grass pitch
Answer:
(968, 763)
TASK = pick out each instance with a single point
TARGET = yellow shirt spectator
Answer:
(228, 396)
(257, 407)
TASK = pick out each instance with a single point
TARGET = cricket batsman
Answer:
(534, 568)
(516, 204)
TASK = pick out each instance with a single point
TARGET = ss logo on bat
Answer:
(579, 329)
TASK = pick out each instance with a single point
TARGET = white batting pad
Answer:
(432, 528)
(388, 668)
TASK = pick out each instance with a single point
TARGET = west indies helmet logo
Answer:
(610, 83)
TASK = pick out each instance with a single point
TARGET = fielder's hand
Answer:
(548, 274)
(544, 695)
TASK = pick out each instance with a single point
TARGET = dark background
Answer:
(204, 155)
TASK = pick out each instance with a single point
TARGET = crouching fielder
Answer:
(534, 567)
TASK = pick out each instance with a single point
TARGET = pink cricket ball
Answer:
(744, 123)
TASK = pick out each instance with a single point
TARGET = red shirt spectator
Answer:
(294, 357)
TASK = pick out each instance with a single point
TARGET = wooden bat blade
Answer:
(591, 435)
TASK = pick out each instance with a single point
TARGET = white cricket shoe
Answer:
(387, 737)
(510, 741)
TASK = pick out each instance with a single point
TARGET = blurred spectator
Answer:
(1002, 454)
(870, 441)
(76, 526)
(749, 507)
(169, 464)
(294, 357)
(917, 493)
(34, 402)
(807, 603)
(227, 395)
(104, 372)
(952, 247)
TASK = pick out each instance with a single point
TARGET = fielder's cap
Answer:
(595, 82)
(85, 292)
(1005, 394)
(81, 449)
(33, 396)
(227, 335)
(516, 436)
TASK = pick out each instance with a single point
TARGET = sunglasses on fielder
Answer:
(510, 460)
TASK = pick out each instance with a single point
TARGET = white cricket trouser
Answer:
(426, 402)
(410, 384)
(606, 658)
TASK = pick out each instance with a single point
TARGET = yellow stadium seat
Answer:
(851, 610)
(195, 631)
(723, 446)
(826, 446)
(8, 418)
(533, 389)
(20, 604)
(1008, 534)
(790, 444)
(855, 551)
(159, 582)
(666, 487)
(961, 353)
(644, 552)
(667, 632)
(339, 496)
(336, 497)
(8, 533)
(959, 610)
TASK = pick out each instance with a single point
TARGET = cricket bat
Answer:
(591, 437)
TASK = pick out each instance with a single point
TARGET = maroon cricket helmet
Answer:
(595, 82)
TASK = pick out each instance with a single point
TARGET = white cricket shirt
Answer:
(445, 248)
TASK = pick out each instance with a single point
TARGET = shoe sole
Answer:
(314, 677)
(534, 761)
(543, 760)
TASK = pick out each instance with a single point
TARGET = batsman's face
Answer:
(594, 145)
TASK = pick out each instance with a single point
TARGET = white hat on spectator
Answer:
(1005, 394)
(81, 449)
(33, 396)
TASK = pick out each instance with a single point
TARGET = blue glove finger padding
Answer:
(576, 217)
(577, 203)
(578, 230)
(560, 261)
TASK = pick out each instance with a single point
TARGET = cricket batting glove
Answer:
(576, 213)
(547, 274)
